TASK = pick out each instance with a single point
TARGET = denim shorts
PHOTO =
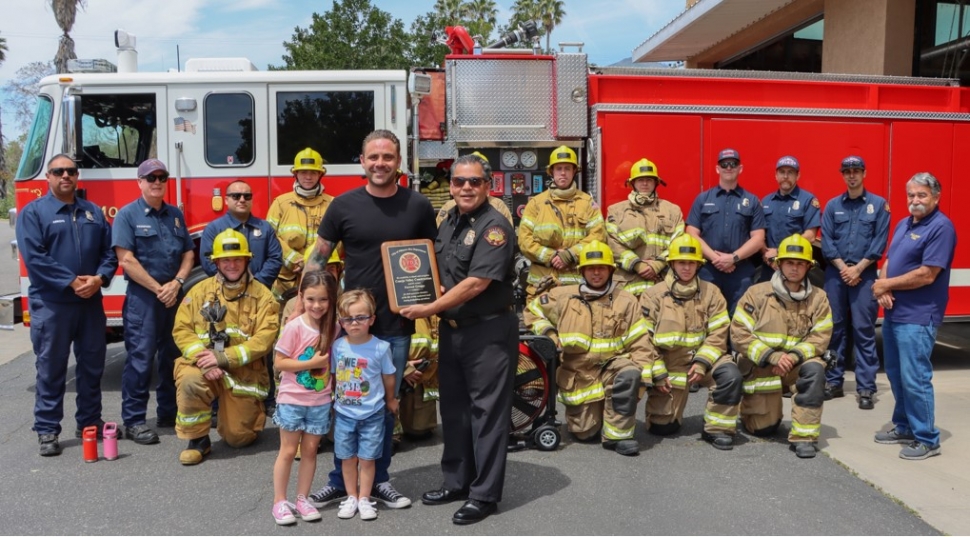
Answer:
(313, 420)
(358, 438)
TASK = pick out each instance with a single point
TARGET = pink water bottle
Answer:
(110, 441)
(90, 441)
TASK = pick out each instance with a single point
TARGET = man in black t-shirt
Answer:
(363, 219)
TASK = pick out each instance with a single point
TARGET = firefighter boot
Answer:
(623, 447)
(721, 441)
(804, 450)
(197, 449)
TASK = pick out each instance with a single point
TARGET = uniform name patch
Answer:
(495, 236)
(544, 299)
(749, 308)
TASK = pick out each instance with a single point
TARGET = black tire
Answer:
(195, 276)
(546, 438)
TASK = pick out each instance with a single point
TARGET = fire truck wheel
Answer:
(195, 276)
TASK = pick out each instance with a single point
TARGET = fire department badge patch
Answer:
(257, 232)
(469, 237)
(89, 216)
(870, 209)
(795, 206)
(178, 223)
(815, 203)
(744, 202)
(495, 236)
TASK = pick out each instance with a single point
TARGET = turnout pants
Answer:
(616, 418)
(476, 366)
(54, 327)
(665, 412)
(761, 406)
(241, 416)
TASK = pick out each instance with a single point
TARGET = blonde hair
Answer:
(349, 298)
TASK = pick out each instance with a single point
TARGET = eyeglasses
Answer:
(360, 319)
(474, 181)
(155, 177)
(728, 164)
(248, 196)
(57, 172)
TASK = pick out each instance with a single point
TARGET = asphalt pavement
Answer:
(678, 485)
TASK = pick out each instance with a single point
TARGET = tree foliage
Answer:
(352, 35)
(425, 49)
(65, 12)
(22, 91)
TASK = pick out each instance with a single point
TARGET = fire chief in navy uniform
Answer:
(65, 243)
(478, 344)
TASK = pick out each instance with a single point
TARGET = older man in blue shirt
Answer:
(914, 290)
(65, 243)
(855, 226)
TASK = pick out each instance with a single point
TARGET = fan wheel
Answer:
(530, 389)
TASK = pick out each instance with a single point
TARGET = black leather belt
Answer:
(472, 321)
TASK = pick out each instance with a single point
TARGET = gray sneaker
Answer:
(918, 451)
(892, 436)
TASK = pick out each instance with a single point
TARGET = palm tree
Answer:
(3, 49)
(552, 13)
(481, 17)
(524, 11)
(449, 11)
(65, 12)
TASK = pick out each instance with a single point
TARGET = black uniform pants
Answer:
(475, 371)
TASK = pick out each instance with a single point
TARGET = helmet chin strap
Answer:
(307, 193)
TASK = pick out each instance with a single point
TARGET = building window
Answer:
(942, 39)
(331, 122)
(800, 50)
(229, 138)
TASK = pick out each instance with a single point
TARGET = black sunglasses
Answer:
(248, 196)
(57, 172)
(460, 181)
(153, 177)
(729, 164)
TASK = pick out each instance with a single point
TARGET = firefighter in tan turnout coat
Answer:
(781, 329)
(688, 324)
(601, 333)
(640, 228)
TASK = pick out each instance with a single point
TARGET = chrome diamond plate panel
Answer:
(437, 150)
(571, 95)
(500, 99)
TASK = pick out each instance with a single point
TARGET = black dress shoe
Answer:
(49, 446)
(865, 400)
(79, 432)
(442, 496)
(474, 511)
(141, 434)
(832, 391)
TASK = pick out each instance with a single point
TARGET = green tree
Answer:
(524, 11)
(450, 12)
(425, 50)
(65, 12)
(551, 13)
(22, 91)
(480, 17)
(352, 35)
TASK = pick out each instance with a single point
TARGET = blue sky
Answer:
(256, 29)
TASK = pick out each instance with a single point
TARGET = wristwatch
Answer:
(736, 259)
(180, 280)
(104, 279)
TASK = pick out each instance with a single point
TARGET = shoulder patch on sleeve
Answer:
(496, 236)
(544, 299)
(815, 203)
(886, 207)
(749, 308)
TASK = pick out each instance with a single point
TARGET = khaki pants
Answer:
(586, 419)
(719, 417)
(761, 406)
(240, 416)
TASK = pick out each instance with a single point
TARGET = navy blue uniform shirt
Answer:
(789, 214)
(267, 253)
(930, 242)
(855, 229)
(59, 242)
(157, 238)
(726, 217)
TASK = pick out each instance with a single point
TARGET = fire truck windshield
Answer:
(32, 161)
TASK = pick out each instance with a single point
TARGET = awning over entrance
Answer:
(703, 25)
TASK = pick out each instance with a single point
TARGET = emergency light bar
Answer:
(90, 66)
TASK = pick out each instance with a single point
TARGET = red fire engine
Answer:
(221, 120)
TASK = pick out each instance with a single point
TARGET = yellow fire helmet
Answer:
(685, 247)
(481, 156)
(795, 247)
(308, 159)
(596, 253)
(230, 243)
(644, 168)
(562, 154)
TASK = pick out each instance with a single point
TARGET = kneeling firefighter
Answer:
(782, 328)
(688, 322)
(602, 335)
(225, 327)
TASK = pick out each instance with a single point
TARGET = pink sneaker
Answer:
(283, 514)
(306, 510)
